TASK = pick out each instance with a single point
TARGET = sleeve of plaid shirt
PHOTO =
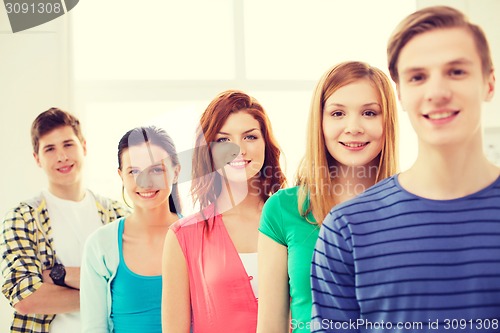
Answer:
(118, 210)
(21, 268)
(110, 210)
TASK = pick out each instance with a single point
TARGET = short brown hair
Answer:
(51, 119)
(431, 18)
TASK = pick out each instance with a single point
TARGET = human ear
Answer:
(490, 82)
(84, 146)
(177, 171)
(398, 92)
(37, 159)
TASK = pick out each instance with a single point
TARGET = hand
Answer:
(72, 277)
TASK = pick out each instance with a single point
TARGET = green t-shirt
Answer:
(282, 222)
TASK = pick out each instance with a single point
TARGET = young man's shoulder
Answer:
(38, 202)
(106, 202)
(383, 190)
(35, 207)
(112, 209)
(373, 202)
(29, 206)
(31, 203)
(375, 199)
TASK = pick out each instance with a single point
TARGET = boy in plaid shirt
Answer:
(42, 238)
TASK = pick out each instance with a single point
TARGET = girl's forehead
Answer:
(144, 155)
(240, 122)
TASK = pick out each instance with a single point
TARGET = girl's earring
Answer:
(123, 196)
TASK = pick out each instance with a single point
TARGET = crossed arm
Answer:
(26, 285)
(52, 299)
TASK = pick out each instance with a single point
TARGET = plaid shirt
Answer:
(27, 250)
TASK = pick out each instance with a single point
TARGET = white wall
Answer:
(275, 51)
(76, 67)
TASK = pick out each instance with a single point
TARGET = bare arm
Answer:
(274, 294)
(50, 299)
(73, 277)
(176, 306)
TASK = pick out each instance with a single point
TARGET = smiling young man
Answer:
(42, 239)
(420, 251)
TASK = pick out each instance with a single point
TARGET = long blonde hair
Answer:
(313, 174)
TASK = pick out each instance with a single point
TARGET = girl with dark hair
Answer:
(121, 271)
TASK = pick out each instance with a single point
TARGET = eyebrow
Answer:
(338, 105)
(149, 166)
(460, 61)
(53, 145)
(250, 130)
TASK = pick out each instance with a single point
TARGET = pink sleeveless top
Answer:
(222, 299)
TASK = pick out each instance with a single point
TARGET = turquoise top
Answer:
(136, 305)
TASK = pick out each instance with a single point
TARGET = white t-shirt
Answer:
(249, 261)
(71, 222)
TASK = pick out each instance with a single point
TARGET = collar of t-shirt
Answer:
(71, 222)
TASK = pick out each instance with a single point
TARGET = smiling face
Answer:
(243, 130)
(61, 155)
(147, 174)
(442, 87)
(353, 125)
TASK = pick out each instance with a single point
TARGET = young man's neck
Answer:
(449, 173)
(74, 192)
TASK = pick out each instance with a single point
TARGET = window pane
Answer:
(288, 112)
(299, 40)
(153, 40)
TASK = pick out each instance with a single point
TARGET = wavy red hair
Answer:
(206, 184)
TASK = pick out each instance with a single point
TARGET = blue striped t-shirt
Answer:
(390, 261)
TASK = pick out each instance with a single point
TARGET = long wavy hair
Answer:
(313, 174)
(207, 184)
